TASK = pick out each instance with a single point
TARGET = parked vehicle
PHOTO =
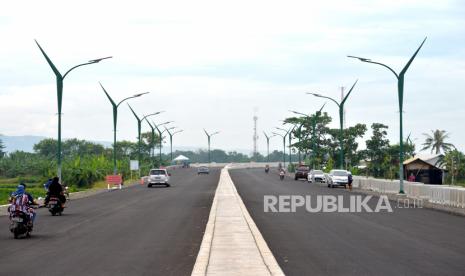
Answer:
(55, 206)
(158, 177)
(315, 176)
(337, 178)
(301, 172)
(203, 170)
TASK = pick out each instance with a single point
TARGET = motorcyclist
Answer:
(55, 190)
(281, 174)
(47, 184)
(267, 168)
(22, 201)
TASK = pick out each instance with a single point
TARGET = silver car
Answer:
(158, 177)
(315, 176)
(337, 178)
(203, 170)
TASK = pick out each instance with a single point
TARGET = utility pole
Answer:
(344, 108)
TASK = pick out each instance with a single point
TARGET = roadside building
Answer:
(424, 168)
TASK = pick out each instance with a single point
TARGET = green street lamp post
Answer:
(115, 120)
(152, 128)
(139, 129)
(152, 151)
(314, 121)
(171, 134)
(268, 145)
(284, 146)
(289, 136)
(59, 80)
(284, 143)
(400, 93)
(209, 137)
(300, 131)
(161, 138)
(341, 120)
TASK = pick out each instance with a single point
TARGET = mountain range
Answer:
(26, 143)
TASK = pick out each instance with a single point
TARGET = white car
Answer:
(337, 178)
(315, 176)
(158, 177)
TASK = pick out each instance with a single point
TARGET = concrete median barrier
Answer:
(232, 243)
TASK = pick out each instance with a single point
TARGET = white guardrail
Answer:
(439, 194)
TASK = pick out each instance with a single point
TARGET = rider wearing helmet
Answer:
(20, 200)
(55, 190)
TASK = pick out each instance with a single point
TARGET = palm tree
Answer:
(436, 141)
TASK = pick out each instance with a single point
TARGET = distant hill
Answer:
(27, 142)
(23, 143)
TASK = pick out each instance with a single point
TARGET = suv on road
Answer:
(158, 177)
(301, 172)
(337, 178)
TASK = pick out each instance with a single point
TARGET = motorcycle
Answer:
(281, 175)
(66, 192)
(20, 224)
(267, 169)
(55, 206)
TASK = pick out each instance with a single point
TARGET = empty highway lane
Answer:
(404, 242)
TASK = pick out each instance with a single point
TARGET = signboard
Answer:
(114, 180)
(134, 165)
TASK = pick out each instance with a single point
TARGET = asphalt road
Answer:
(404, 242)
(134, 231)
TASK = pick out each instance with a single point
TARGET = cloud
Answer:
(209, 63)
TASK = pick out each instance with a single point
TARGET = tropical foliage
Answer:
(437, 141)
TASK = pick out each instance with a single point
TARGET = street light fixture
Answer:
(152, 127)
(139, 128)
(289, 133)
(315, 118)
(300, 131)
(209, 137)
(341, 120)
(400, 93)
(115, 120)
(160, 134)
(59, 79)
(171, 134)
(268, 145)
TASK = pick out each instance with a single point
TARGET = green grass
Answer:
(8, 185)
(6, 191)
(34, 187)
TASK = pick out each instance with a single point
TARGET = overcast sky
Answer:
(208, 64)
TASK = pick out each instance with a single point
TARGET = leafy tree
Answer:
(70, 147)
(46, 147)
(323, 142)
(377, 150)
(454, 162)
(126, 149)
(436, 142)
(350, 136)
(2, 149)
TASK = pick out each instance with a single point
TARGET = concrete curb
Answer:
(232, 243)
